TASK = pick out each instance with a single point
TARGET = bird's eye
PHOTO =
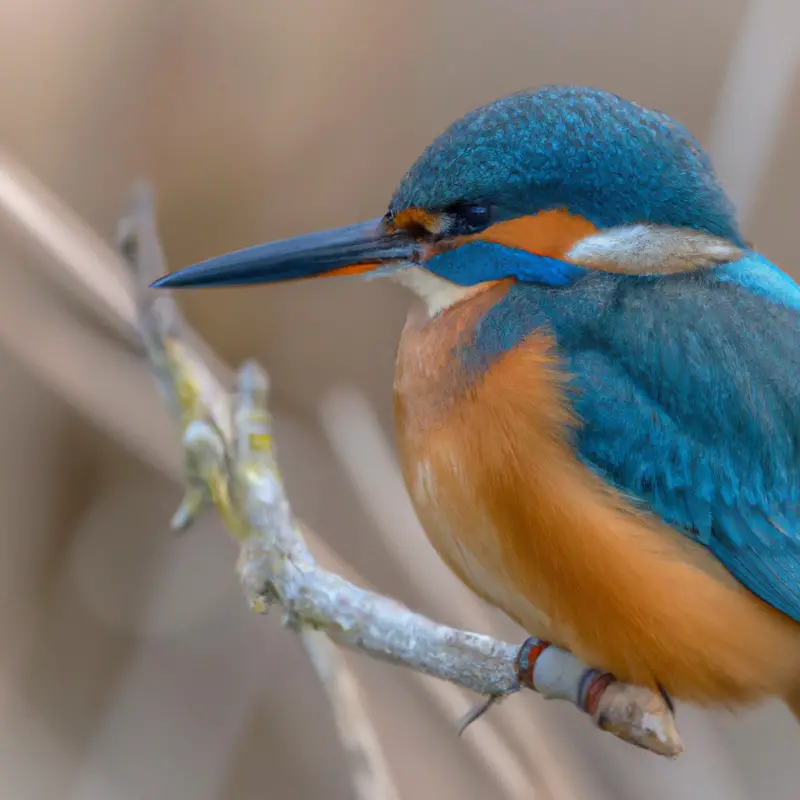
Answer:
(472, 217)
(477, 216)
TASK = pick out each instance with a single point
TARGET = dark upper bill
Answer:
(354, 249)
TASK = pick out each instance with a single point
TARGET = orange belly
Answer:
(529, 528)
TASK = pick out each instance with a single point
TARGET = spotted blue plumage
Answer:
(688, 388)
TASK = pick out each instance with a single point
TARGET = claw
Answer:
(478, 711)
(667, 698)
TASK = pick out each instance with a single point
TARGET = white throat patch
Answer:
(437, 293)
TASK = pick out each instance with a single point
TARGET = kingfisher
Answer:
(597, 400)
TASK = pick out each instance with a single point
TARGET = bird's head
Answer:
(536, 187)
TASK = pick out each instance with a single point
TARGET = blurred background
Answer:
(129, 664)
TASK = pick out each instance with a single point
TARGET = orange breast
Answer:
(431, 392)
(529, 528)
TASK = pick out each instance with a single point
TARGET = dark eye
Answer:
(477, 216)
(472, 217)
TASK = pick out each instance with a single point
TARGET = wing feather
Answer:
(688, 391)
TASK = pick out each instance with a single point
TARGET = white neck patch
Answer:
(652, 250)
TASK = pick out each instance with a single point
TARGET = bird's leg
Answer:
(583, 692)
(633, 713)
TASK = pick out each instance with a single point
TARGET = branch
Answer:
(103, 383)
(230, 461)
(203, 413)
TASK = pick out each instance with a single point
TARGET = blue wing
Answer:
(688, 387)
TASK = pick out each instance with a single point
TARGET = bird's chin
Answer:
(436, 293)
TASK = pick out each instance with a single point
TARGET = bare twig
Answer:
(230, 459)
(204, 416)
(104, 383)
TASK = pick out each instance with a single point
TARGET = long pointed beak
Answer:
(355, 249)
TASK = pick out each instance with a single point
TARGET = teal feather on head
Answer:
(595, 154)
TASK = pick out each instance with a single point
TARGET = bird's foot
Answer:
(635, 714)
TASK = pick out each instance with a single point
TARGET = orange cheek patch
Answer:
(416, 217)
(548, 233)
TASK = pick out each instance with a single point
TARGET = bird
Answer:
(597, 392)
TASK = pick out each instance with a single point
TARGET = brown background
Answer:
(129, 666)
